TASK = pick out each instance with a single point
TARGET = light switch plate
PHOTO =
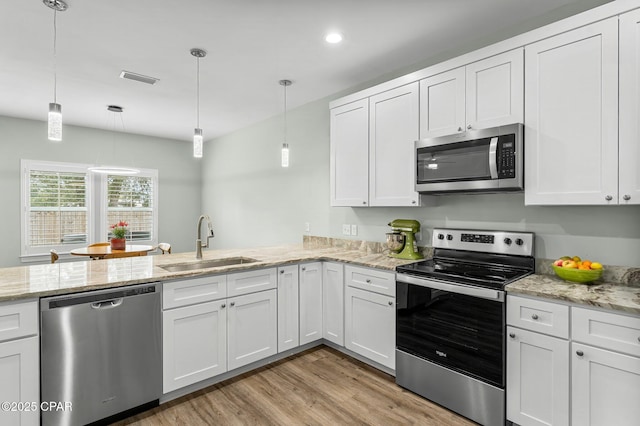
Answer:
(354, 229)
(346, 229)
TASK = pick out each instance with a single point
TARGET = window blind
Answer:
(130, 199)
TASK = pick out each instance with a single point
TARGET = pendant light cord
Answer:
(55, 62)
(198, 92)
(285, 113)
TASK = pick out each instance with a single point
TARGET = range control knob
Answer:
(449, 237)
(441, 236)
(519, 241)
(507, 241)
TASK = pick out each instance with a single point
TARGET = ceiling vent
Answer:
(138, 77)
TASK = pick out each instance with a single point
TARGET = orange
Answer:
(586, 262)
(584, 267)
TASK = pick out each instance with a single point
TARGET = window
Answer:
(65, 206)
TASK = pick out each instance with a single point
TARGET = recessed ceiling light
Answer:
(333, 38)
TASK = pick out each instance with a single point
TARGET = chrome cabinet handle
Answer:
(390, 303)
(608, 198)
(413, 201)
(469, 127)
(534, 316)
(459, 129)
(232, 304)
(304, 268)
(224, 305)
(282, 271)
(638, 339)
(364, 203)
(626, 197)
(579, 353)
(368, 281)
(512, 335)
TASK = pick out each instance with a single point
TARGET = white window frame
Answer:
(95, 201)
(101, 225)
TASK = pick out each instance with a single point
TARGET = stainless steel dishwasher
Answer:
(101, 351)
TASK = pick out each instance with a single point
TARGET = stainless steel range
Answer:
(450, 320)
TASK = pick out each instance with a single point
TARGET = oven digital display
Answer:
(477, 238)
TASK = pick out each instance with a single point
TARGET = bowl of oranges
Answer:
(577, 270)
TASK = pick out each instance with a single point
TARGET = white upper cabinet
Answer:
(483, 94)
(393, 130)
(442, 104)
(495, 90)
(571, 110)
(629, 143)
(349, 155)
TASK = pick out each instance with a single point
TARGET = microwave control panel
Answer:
(506, 156)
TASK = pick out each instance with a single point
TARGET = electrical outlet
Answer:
(354, 229)
(307, 228)
(346, 229)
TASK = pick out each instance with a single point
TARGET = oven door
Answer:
(456, 326)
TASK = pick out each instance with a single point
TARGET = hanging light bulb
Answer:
(285, 145)
(54, 119)
(197, 132)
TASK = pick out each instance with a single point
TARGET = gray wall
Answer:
(178, 172)
(253, 201)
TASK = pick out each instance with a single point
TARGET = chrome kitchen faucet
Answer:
(199, 244)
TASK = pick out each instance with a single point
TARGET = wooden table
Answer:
(105, 252)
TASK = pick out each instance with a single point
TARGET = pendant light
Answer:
(54, 120)
(197, 133)
(115, 170)
(285, 145)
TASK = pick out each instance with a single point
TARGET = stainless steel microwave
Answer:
(487, 160)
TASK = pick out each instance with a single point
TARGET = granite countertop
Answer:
(623, 297)
(69, 277)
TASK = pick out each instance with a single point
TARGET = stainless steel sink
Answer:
(204, 264)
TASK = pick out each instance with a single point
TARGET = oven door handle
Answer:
(485, 293)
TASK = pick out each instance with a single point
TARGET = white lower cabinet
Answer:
(333, 302)
(252, 328)
(20, 372)
(310, 302)
(288, 321)
(218, 334)
(587, 377)
(537, 378)
(194, 344)
(19, 362)
(605, 387)
(370, 321)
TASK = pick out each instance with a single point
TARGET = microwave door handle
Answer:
(493, 164)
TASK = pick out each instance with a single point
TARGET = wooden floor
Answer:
(320, 386)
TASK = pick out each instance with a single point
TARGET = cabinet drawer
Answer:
(251, 281)
(371, 280)
(18, 319)
(537, 315)
(192, 291)
(607, 330)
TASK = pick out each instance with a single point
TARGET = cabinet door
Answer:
(288, 308)
(629, 173)
(571, 117)
(537, 378)
(333, 302)
(605, 387)
(495, 90)
(310, 302)
(349, 154)
(393, 131)
(20, 372)
(252, 328)
(194, 344)
(442, 104)
(370, 325)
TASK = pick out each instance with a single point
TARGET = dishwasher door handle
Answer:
(108, 304)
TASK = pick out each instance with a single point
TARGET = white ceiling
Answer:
(251, 44)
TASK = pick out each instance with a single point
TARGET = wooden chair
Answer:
(165, 248)
(54, 255)
(99, 244)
